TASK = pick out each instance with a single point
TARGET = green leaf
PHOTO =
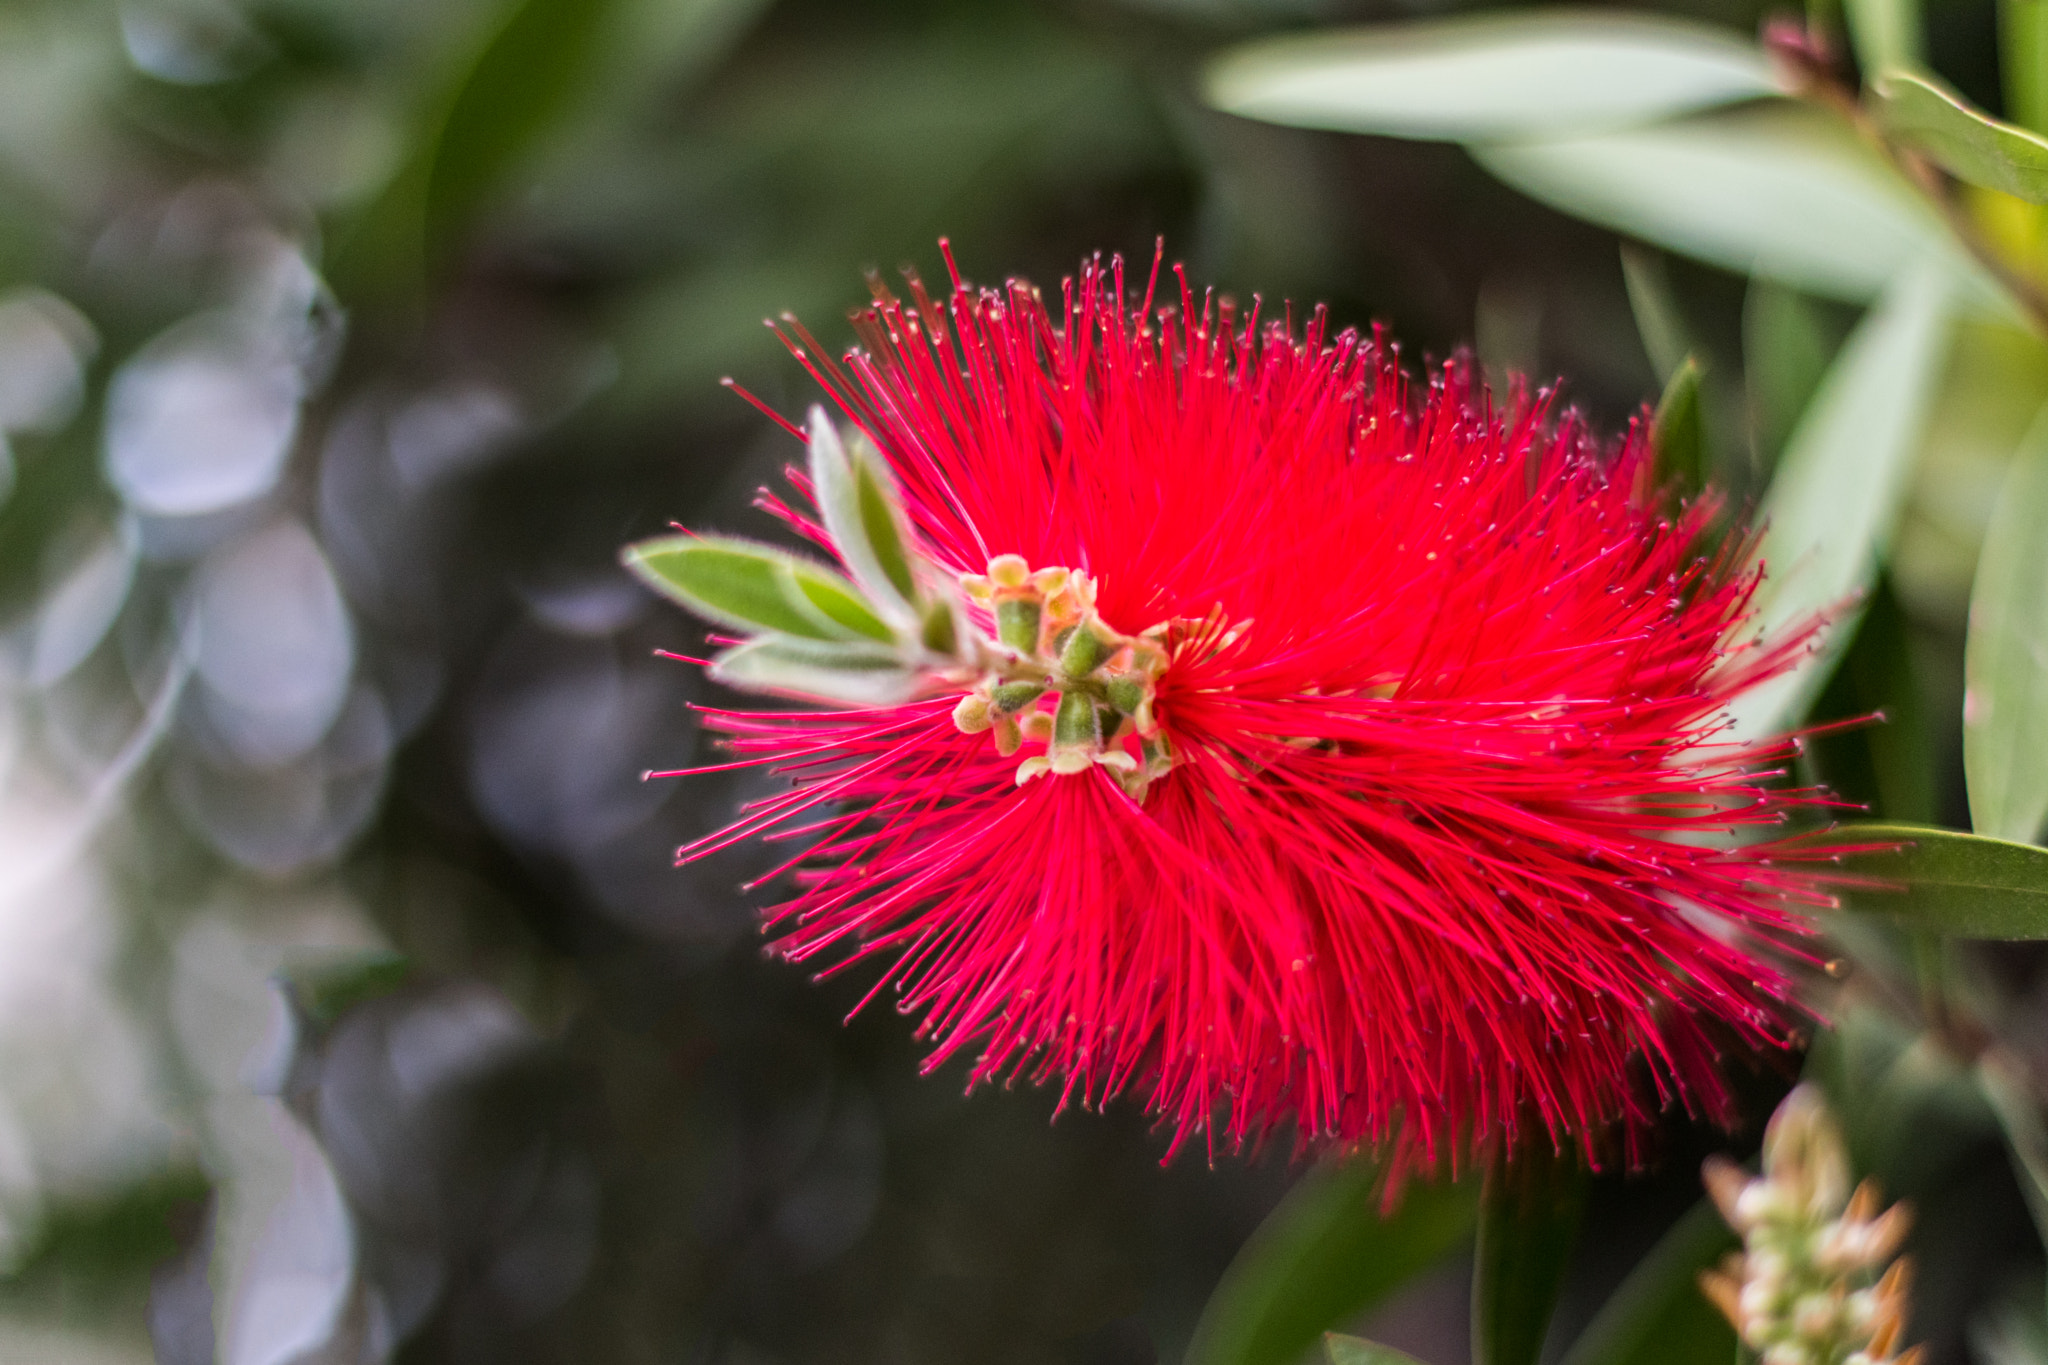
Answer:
(1786, 347)
(1322, 1257)
(488, 114)
(1955, 884)
(1781, 190)
(2023, 61)
(751, 587)
(850, 674)
(1658, 321)
(1342, 1350)
(1885, 33)
(1528, 1220)
(1677, 433)
(1493, 76)
(1657, 1316)
(1835, 500)
(2005, 659)
(1967, 142)
(858, 503)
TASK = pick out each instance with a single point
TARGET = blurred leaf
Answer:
(1657, 1316)
(92, 1244)
(1968, 143)
(489, 114)
(1835, 498)
(1321, 1258)
(1490, 76)
(1342, 1350)
(1677, 433)
(847, 674)
(2005, 660)
(1885, 33)
(1786, 348)
(2003, 1079)
(1781, 191)
(1890, 763)
(1528, 1222)
(2023, 61)
(1959, 885)
(1658, 320)
(324, 991)
(747, 586)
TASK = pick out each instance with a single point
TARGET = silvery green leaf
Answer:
(1779, 190)
(858, 504)
(2005, 659)
(752, 587)
(1835, 500)
(1495, 76)
(843, 674)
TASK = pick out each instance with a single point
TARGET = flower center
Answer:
(1061, 676)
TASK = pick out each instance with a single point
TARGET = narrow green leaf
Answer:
(1491, 76)
(1657, 1316)
(880, 519)
(491, 108)
(2002, 1078)
(1786, 348)
(1839, 488)
(1678, 434)
(1342, 1350)
(1528, 1222)
(835, 602)
(2005, 659)
(1322, 1257)
(858, 506)
(1886, 34)
(1781, 191)
(850, 674)
(1955, 884)
(2023, 61)
(1658, 321)
(534, 65)
(740, 584)
(1967, 142)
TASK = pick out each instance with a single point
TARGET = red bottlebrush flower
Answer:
(1399, 827)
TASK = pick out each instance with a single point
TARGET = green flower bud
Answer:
(1017, 624)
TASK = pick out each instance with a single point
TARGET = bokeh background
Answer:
(351, 1008)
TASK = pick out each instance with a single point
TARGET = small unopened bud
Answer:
(1013, 697)
(1126, 695)
(976, 586)
(1050, 581)
(1017, 624)
(1726, 1182)
(1083, 651)
(1037, 727)
(1009, 738)
(971, 716)
(1009, 571)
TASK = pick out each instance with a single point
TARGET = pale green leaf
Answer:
(850, 674)
(1781, 190)
(1657, 1316)
(2005, 660)
(1886, 33)
(1323, 1256)
(1967, 142)
(858, 505)
(1491, 76)
(752, 587)
(1342, 1350)
(1528, 1222)
(1955, 884)
(1658, 320)
(2023, 61)
(1835, 500)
